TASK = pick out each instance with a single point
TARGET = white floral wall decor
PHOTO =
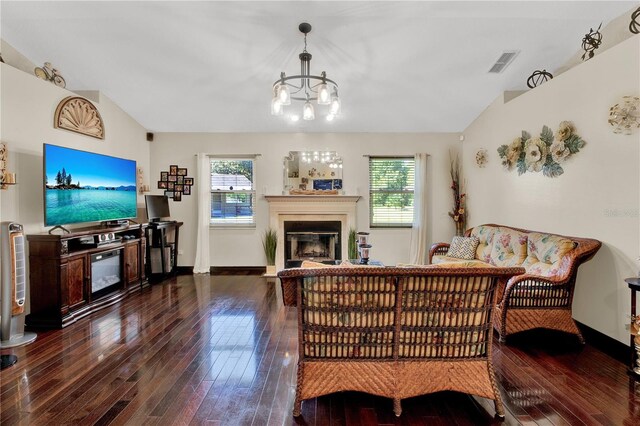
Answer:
(543, 154)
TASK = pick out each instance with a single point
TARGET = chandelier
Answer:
(305, 87)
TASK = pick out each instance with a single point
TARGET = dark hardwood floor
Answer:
(222, 350)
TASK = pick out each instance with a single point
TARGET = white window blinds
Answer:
(232, 192)
(391, 189)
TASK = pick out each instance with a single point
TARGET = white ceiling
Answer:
(209, 66)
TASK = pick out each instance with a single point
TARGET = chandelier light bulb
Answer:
(307, 111)
(276, 106)
(330, 117)
(295, 118)
(284, 95)
(334, 109)
(324, 96)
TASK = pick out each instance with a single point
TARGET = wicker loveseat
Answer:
(540, 298)
(394, 332)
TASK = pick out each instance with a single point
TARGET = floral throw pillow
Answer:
(463, 247)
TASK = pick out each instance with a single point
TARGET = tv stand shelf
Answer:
(162, 238)
(60, 272)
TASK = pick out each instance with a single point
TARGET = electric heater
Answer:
(13, 286)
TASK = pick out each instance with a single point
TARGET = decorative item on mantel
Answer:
(542, 154)
(624, 116)
(48, 73)
(305, 87)
(590, 42)
(634, 25)
(175, 182)
(79, 115)
(6, 178)
(538, 77)
(294, 191)
(459, 213)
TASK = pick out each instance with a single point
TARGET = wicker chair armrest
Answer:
(520, 280)
(289, 291)
(438, 248)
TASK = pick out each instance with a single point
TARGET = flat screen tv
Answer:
(157, 207)
(81, 186)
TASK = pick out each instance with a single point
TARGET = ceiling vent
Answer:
(503, 61)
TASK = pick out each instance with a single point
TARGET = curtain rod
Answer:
(231, 155)
(391, 156)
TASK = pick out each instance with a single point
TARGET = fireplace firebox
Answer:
(318, 241)
(106, 272)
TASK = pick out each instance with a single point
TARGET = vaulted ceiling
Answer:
(209, 66)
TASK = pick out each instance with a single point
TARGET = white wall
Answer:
(16, 59)
(28, 106)
(234, 247)
(597, 196)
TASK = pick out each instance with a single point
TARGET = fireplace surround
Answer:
(311, 208)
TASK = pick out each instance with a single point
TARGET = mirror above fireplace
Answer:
(312, 171)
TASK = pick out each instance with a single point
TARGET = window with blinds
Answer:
(391, 187)
(232, 192)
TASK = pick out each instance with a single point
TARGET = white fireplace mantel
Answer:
(312, 198)
(284, 208)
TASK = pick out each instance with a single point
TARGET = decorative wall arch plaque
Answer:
(79, 115)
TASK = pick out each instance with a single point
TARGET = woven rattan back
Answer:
(446, 316)
(348, 316)
(394, 313)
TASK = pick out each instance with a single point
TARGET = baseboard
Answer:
(225, 270)
(238, 270)
(610, 346)
(184, 270)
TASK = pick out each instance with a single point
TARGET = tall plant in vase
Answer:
(269, 244)
(459, 213)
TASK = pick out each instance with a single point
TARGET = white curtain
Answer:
(201, 264)
(419, 251)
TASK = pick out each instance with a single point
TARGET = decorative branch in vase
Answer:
(458, 213)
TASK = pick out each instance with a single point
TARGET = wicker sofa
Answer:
(540, 298)
(394, 332)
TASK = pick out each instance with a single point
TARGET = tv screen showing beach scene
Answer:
(82, 186)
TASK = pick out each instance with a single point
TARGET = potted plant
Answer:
(353, 244)
(270, 243)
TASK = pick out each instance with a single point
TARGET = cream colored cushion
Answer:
(546, 255)
(462, 264)
(509, 247)
(484, 234)
(431, 344)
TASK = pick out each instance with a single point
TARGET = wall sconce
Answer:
(6, 178)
